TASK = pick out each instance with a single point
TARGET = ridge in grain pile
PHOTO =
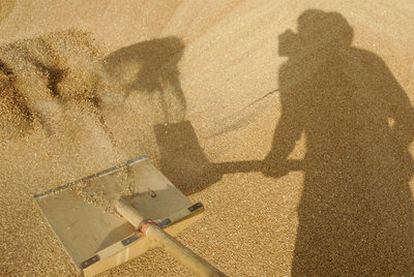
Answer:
(40, 76)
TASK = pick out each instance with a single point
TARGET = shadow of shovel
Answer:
(184, 162)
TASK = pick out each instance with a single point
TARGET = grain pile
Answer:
(40, 76)
(205, 61)
(42, 79)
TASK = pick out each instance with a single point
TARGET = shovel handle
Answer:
(159, 237)
(198, 265)
(129, 213)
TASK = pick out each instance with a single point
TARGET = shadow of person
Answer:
(355, 215)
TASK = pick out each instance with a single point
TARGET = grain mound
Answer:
(40, 76)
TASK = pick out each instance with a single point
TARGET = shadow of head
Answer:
(316, 29)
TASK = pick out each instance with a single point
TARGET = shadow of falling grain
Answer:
(151, 68)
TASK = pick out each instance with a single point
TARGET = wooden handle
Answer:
(198, 265)
(129, 213)
(159, 237)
